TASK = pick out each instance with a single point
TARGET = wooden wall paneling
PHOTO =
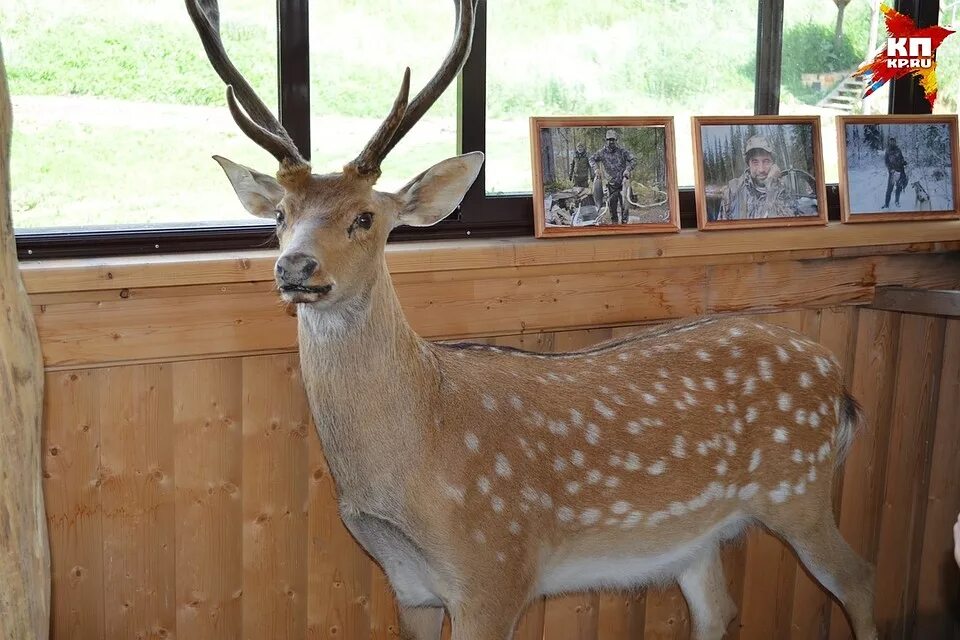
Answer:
(530, 625)
(667, 616)
(874, 375)
(71, 487)
(621, 615)
(137, 497)
(341, 574)
(208, 453)
(276, 425)
(938, 589)
(908, 473)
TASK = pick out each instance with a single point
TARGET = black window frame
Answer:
(481, 215)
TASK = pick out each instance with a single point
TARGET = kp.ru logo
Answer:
(909, 50)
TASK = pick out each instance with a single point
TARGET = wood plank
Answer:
(938, 589)
(574, 617)
(276, 425)
(908, 473)
(622, 615)
(415, 257)
(137, 497)
(909, 300)
(340, 573)
(71, 486)
(874, 375)
(734, 557)
(384, 623)
(530, 625)
(207, 433)
(667, 616)
(24, 552)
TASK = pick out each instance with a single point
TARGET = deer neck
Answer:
(366, 375)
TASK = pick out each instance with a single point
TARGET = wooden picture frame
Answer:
(573, 210)
(800, 190)
(931, 191)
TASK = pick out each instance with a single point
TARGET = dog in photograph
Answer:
(922, 198)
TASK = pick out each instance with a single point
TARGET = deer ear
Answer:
(259, 193)
(435, 193)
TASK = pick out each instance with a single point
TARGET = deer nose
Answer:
(295, 268)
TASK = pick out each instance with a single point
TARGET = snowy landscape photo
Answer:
(895, 169)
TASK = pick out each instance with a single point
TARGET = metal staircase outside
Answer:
(846, 96)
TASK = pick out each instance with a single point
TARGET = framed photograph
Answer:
(599, 175)
(898, 167)
(758, 171)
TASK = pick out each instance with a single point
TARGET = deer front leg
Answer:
(480, 624)
(420, 623)
(705, 589)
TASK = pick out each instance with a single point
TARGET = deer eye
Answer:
(280, 216)
(364, 220)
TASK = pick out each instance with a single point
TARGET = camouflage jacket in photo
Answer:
(741, 199)
(614, 162)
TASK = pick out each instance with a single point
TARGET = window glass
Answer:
(623, 58)
(824, 43)
(948, 60)
(358, 52)
(117, 111)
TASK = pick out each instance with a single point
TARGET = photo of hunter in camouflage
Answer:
(759, 171)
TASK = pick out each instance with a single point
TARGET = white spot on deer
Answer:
(590, 516)
(805, 380)
(823, 365)
(516, 402)
(632, 463)
(800, 488)
(557, 427)
(577, 458)
(731, 491)
(731, 406)
(812, 474)
(737, 426)
(730, 375)
(736, 352)
(679, 405)
(546, 501)
(656, 518)
(731, 445)
(515, 528)
(565, 514)
(528, 493)
(620, 507)
(524, 507)
(612, 369)
(749, 386)
(736, 332)
(497, 503)
(677, 508)
(689, 399)
(455, 493)
(784, 401)
(472, 441)
(573, 487)
(800, 416)
(689, 383)
(594, 476)
(612, 482)
(611, 521)
(649, 398)
(811, 458)
(593, 434)
(748, 491)
(553, 377)
(663, 373)
(623, 357)
(797, 456)
(569, 378)
(480, 536)
(501, 558)
(634, 428)
(781, 493)
(679, 448)
(796, 344)
(702, 448)
(721, 467)
(633, 519)
(559, 464)
(489, 403)
(751, 415)
(657, 468)
(780, 434)
(754, 460)
(782, 354)
(614, 460)
(576, 417)
(719, 408)
(502, 466)
(660, 387)
(765, 369)
(823, 409)
(710, 384)
(823, 452)
(618, 400)
(483, 483)
(704, 356)
(814, 419)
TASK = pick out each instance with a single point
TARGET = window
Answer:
(117, 110)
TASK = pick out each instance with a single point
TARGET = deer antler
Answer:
(403, 116)
(254, 119)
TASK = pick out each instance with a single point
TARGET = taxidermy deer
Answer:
(482, 477)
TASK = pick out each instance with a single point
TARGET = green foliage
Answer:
(811, 48)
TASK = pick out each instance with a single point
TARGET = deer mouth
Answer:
(299, 293)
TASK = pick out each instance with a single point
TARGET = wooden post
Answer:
(24, 555)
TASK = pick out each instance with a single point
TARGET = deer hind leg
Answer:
(705, 589)
(827, 556)
(420, 623)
